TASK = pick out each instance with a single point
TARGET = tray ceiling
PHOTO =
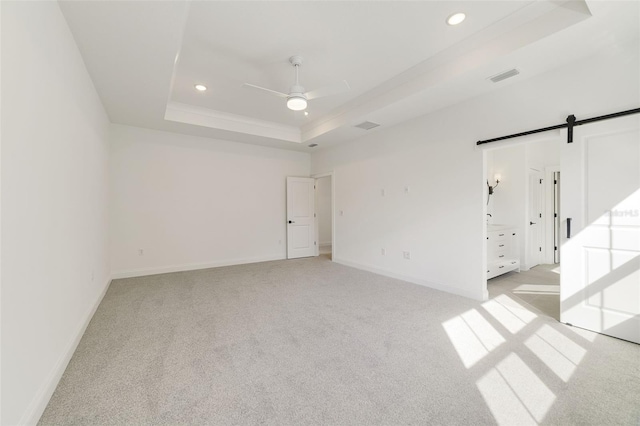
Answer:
(146, 57)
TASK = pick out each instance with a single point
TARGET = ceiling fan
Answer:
(297, 98)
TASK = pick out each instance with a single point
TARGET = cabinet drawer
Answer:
(501, 235)
(498, 235)
(513, 263)
(501, 255)
(501, 268)
(508, 264)
(501, 252)
(499, 246)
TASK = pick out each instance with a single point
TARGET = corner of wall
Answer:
(41, 399)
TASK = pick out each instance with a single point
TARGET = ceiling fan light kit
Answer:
(296, 103)
(297, 98)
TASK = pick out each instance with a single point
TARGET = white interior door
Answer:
(535, 227)
(600, 274)
(556, 217)
(301, 228)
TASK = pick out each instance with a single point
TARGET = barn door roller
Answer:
(569, 125)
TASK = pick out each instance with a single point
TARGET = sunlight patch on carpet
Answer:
(513, 391)
(472, 336)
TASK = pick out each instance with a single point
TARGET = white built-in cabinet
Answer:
(502, 250)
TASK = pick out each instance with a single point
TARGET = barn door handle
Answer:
(291, 221)
(531, 223)
(568, 227)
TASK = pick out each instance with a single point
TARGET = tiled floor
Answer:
(538, 287)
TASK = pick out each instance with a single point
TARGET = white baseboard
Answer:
(191, 266)
(324, 248)
(414, 280)
(40, 401)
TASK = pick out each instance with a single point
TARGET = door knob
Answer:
(532, 223)
(291, 221)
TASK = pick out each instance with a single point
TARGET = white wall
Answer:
(323, 210)
(191, 202)
(54, 204)
(434, 221)
(544, 153)
(441, 220)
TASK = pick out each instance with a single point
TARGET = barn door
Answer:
(600, 251)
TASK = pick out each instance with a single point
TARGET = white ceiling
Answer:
(400, 59)
(226, 44)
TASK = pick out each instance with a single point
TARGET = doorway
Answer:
(324, 214)
(522, 207)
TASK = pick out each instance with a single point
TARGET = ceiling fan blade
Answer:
(333, 89)
(273, 92)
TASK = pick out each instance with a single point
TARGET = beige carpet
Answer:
(312, 342)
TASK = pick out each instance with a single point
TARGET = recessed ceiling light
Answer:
(456, 18)
(200, 87)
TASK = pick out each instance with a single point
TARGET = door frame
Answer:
(333, 213)
(549, 240)
(541, 221)
(485, 149)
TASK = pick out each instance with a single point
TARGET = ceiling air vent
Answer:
(504, 75)
(366, 125)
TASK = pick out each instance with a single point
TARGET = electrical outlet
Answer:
(93, 276)
(140, 252)
(383, 252)
(406, 255)
(341, 213)
(407, 189)
(280, 242)
(382, 192)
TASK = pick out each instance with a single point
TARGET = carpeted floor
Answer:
(309, 341)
